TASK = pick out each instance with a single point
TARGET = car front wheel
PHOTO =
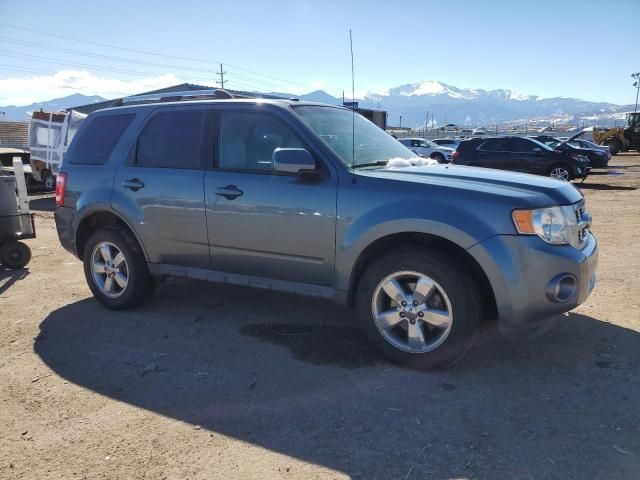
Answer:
(561, 172)
(421, 309)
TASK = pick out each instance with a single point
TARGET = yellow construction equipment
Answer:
(620, 139)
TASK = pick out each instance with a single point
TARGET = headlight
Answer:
(554, 225)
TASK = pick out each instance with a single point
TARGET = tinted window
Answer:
(248, 139)
(522, 145)
(495, 145)
(171, 140)
(99, 138)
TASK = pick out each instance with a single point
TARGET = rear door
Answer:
(494, 153)
(263, 223)
(528, 156)
(160, 187)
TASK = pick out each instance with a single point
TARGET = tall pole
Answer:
(637, 85)
(221, 73)
(400, 121)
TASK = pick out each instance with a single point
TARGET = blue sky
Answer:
(582, 49)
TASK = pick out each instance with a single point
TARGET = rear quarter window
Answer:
(99, 138)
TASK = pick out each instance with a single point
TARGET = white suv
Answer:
(426, 148)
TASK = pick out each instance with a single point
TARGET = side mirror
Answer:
(537, 149)
(293, 160)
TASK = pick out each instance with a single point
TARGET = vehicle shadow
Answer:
(605, 186)
(295, 377)
(9, 277)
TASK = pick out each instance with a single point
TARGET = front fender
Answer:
(449, 222)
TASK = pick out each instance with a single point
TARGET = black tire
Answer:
(453, 277)
(438, 157)
(15, 255)
(140, 285)
(49, 181)
(614, 147)
(562, 166)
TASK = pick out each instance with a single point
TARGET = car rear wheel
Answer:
(438, 157)
(115, 269)
(561, 172)
(419, 308)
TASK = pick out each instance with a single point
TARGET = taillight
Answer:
(455, 154)
(61, 186)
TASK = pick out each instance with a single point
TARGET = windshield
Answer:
(335, 127)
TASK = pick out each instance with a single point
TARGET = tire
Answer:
(49, 181)
(614, 147)
(453, 292)
(438, 157)
(15, 255)
(130, 282)
(560, 171)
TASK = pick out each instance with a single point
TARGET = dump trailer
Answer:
(50, 134)
(620, 139)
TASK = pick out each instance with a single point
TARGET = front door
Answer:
(263, 223)
(160, 188)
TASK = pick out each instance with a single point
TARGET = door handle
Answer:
(133, 184)
(229, 192)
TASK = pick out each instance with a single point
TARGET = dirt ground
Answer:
(221, 382)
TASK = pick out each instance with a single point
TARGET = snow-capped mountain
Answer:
(469, 106)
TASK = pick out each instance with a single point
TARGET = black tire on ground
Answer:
(140, 285)
(438, 157)
(452, 276)
(563, 167)
(614, 147)
(15, 255)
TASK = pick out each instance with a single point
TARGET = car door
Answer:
(160, 187)
(262, 223)
(528, 156)
(494, 153)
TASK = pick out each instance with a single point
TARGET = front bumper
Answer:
(524, 273)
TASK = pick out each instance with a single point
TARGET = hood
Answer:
(523, 190)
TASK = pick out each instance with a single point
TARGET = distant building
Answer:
(14, 135)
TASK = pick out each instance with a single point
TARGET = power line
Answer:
(261, 83)
(145, 52)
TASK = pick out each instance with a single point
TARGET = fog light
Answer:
(562, 288)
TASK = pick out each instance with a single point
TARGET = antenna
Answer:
(353, 112)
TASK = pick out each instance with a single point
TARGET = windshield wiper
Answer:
(379, 163)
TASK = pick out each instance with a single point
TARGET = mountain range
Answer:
(477, 107)
(441, 102)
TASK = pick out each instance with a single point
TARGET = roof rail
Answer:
(212, 94)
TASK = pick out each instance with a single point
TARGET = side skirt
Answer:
(213, 276)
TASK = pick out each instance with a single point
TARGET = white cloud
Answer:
(27, 90)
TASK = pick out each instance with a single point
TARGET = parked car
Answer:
(599, 158)
(273, 194)
(447, 142)
(521, 154)
(427, 148)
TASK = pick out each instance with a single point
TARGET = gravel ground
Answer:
(222, 382)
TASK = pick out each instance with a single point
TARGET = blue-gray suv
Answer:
(315, 200)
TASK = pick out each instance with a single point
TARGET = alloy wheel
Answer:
(412, 312)
(560, 173)
(109, 269)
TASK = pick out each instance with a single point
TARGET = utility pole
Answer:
(400, 121)
(221, 73)
(637, 85)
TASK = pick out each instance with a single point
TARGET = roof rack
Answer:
(212, 94)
